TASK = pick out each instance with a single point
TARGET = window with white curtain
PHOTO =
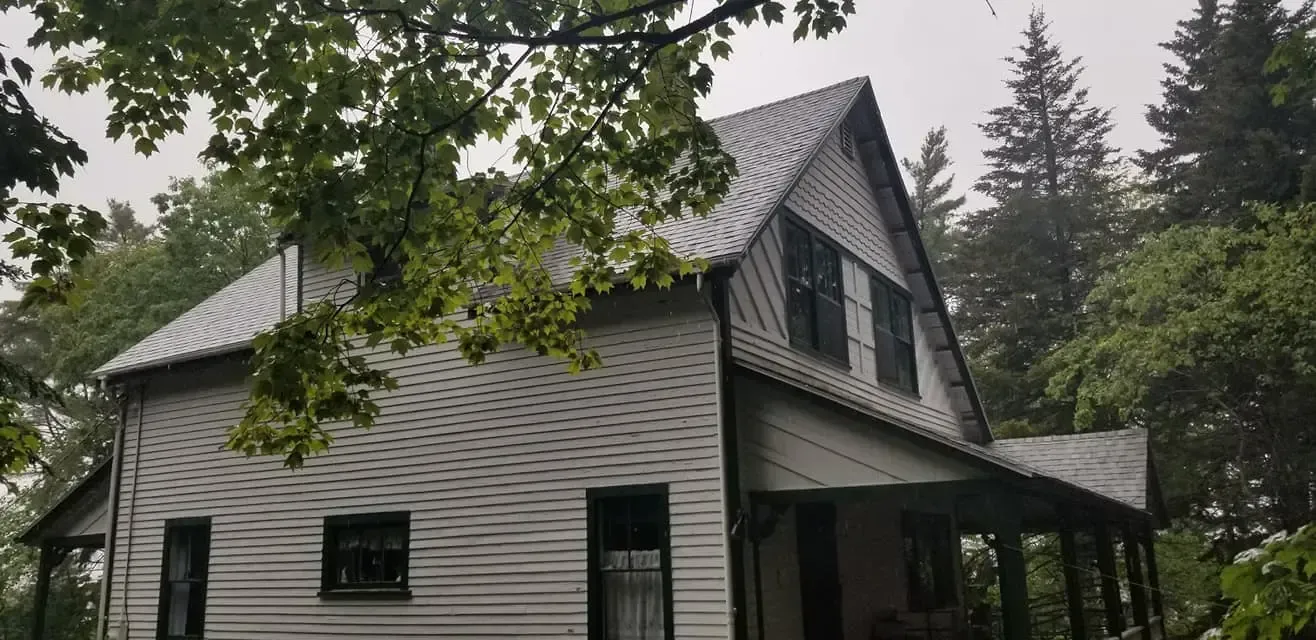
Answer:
(183, 585)
(366, 554)
(630, 564)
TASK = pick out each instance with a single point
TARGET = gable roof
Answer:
(773, 144)
(1116, 464)
(223, 323)
(92, 491)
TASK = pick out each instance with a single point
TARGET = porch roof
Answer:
(79, 518)
(1115, 464)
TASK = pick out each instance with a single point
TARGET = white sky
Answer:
(932, 62)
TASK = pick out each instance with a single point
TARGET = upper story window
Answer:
(630, 575)
(893, 333)
(815, 298)
(929, 560)
(183, 585)
(366, 553)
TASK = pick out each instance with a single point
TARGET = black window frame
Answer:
(595, 500)
(899, 306)
(831, 342)
(334, 526)
(922, 531)
(201, 528)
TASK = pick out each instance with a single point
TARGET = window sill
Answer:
(912, 395)
(842, 364)
(365, 594)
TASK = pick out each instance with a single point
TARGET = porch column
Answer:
(1153, 575)
(1110, 586)
(1013, 575)
(1073, 579)
(1137, 588)
(44, 568)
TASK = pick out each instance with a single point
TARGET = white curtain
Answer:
(180, 553)
(633, 591)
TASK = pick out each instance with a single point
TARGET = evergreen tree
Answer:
(123, 227)
(931, 197)
(1183, 88)
(1224, 139)
(1024, 265)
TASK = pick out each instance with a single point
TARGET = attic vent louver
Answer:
(847, 140)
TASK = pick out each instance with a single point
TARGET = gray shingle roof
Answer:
(222, 323)
(772, 145)
(1112, 463)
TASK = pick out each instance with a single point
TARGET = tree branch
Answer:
(572, 35)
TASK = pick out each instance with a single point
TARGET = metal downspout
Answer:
(112, 528)
(736, 519)
(132, 509)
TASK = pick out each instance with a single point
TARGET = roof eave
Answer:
(901, 194)
(29, 535)
(109, 374)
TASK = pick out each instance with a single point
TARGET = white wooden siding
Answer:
(835, 197)
(492, 461)
(319, 283)
(787, 442)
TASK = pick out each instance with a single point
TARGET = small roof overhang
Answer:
(1117, 465)
(80, 518)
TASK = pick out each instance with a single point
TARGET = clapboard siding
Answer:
(319, 283)
(788, 442)
(836, 198)
(492, 461)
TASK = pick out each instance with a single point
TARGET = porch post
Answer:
(1073, 580)
(1013, 575)
(1137, 588)
(1153, 575)
(44, 567)
(1110, 587)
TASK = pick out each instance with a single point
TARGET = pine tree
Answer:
(931, 197)
(1224, 140)
(1183, 88)
(1024, 266)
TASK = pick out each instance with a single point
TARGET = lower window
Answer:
(183, 582)
(630, 576)
(929, 560)
(366, 553)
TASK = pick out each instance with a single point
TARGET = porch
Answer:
(71, 538)
(859, 530)
(890, 563)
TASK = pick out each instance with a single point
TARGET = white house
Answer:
(788, 448)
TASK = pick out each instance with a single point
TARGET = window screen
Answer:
(893, 332)
(815, 294)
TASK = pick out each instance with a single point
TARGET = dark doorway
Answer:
(820, 580)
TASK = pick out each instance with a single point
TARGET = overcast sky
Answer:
(932, 62)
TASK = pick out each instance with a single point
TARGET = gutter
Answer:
(736, 518)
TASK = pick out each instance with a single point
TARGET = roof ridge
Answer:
(856, 79)
(1082, 435)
